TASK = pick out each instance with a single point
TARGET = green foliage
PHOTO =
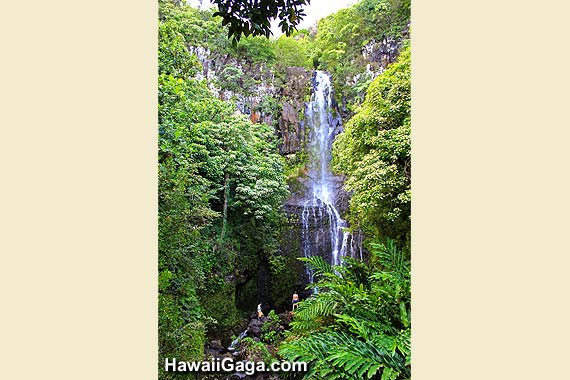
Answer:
(296, 165)
(173, 55)
(195, 27)
(257, 50)
(387, 17)
(293, 51)
(334, 36)
(374, 153)
(231, 78)
(358, 325)
(270, 332)
(255, 351)
(221, 186)
(220, 313)
(341, 36)
(253, 16)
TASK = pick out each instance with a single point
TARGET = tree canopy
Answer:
(221, 187)
(253, 17)
(374, 153)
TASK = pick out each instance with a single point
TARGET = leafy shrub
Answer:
(358, 325)
(293, 51)
(255, 351)
(270, 331)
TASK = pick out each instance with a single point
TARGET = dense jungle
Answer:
(284, 168)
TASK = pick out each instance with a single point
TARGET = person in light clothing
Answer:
(295, 301)
(259, 312)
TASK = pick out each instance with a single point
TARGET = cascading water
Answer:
(320, 213)
(232, 346)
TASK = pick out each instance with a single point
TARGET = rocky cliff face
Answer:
(291, 127)
(266, 96)
(374, 58)
(379, 54)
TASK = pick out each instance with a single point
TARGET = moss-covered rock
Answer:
(220, 309)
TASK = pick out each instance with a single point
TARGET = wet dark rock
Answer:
(216, 345)
(231, 278)
(285, 319)
(254, 327)
(228, 355)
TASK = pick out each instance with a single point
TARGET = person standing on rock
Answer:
(295, 301)
(259, 312)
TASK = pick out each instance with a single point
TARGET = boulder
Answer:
(254, 328)
(216, 345)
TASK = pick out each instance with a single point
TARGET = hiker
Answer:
(259, 312)
(295, 301)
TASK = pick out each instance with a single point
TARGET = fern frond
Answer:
(357, 326)
(312, 308)
(319, 265)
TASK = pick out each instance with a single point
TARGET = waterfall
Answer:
(323, 230)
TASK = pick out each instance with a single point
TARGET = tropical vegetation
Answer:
(224, 178)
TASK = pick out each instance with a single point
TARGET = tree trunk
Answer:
(225, 208)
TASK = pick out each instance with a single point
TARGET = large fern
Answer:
(358, 325)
